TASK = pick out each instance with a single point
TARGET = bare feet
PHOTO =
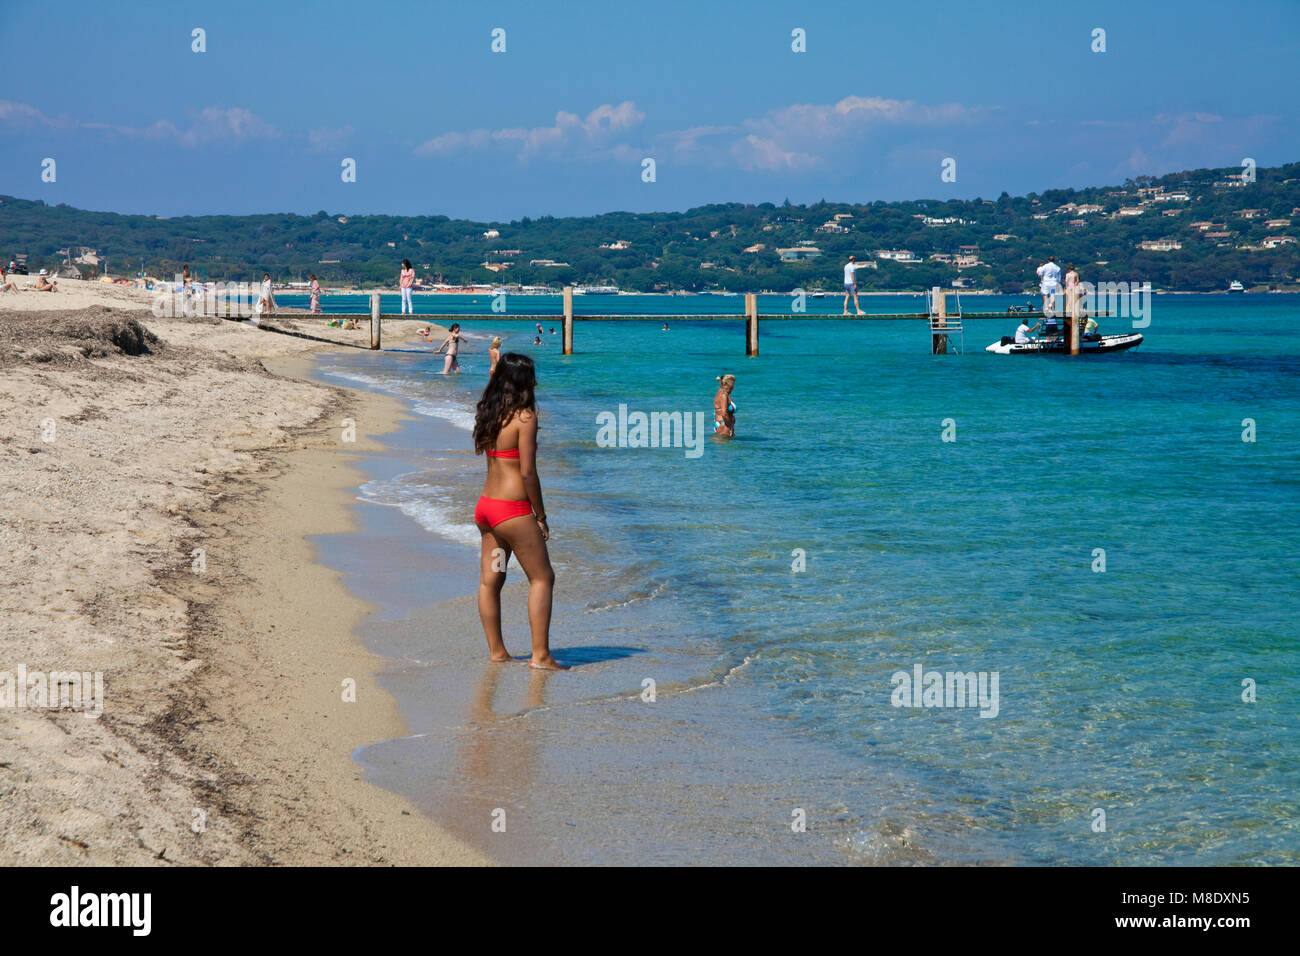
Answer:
(502, 658)
(547, 663)
(860, 312)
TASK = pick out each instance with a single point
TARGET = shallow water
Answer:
(1118, 691)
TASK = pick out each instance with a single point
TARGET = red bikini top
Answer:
(504, 453)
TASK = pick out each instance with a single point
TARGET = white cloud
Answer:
(20, 114)
(793, 137)
(210, 125)
(569, 136)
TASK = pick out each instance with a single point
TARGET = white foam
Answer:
(430, 506)
(443, 409)
(447, 411)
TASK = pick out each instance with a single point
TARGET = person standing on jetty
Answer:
(405, 281)
(724, 409)
(510, 515)
(851, 284)
(1049, 279)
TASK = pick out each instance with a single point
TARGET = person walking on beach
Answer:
(405, 281)
(510, 515)
(494, 353)
(452, 344)
(266, 298)
(724, 409)
(851, 284)
(314, 291)
(1049, 278)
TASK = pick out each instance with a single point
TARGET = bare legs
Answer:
(522, 537)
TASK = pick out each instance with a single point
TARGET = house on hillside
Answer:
(1251, 213)
(1160, 245)
(756, 247)
(1277, 223)
(796, 253)
(1130, 211)
(1272, 242)
(898, 255)
(492, 234)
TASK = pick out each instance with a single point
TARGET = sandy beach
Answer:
(161, 480)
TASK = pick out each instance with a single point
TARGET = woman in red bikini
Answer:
(510, 514)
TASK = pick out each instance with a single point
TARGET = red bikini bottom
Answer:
(493, 511)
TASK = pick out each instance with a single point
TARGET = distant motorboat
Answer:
(1235, 286)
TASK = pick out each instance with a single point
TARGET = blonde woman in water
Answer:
(494, 353)
(724, 409)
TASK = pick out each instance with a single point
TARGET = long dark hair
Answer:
(406, 263)
(509, 390)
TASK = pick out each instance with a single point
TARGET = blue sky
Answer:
(560, 122)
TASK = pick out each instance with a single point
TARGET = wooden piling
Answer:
(939, 305)
(751, 323)
(376, 320)
(568, 320)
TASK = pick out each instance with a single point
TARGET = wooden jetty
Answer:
(944, 327)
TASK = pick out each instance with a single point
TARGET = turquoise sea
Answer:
(773, 586)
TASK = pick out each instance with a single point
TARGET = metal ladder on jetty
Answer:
(942, 325)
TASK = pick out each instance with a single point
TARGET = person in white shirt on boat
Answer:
(1024, 334)
(851, 284)
(1049, 279)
